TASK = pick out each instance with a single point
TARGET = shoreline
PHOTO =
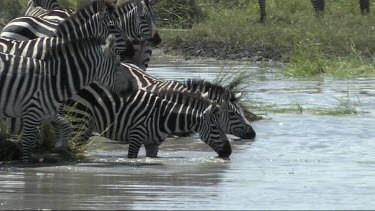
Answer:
(220, 51)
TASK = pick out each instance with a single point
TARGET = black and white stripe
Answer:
(143, 51)
(135, 18)
(147, 118)
(89, 24)
(86, 22)
(62, 71)
(45, 4)
(34, 89)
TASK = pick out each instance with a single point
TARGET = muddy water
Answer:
(298, 161)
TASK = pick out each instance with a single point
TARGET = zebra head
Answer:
(137, 18)
(96, 20)
(234, 119)
(211, 131)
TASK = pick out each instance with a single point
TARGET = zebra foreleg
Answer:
(152, 150)
(28, 137)
(135, 144)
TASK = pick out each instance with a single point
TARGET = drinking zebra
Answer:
(147, 118)
(135, 18)
(233, 120)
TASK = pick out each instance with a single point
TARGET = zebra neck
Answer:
(128, 17)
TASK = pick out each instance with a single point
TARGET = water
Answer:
(298, 161)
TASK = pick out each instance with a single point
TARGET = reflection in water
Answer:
(296, 162)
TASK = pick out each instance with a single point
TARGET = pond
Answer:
(297, 161)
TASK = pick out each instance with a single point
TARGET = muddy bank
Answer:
(224, 51)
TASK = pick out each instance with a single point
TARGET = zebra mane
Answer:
(217, 90)
(185, 97)
(86, 12)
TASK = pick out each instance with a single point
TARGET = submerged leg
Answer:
(152, 150)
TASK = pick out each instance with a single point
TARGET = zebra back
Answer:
(53, 15)
(85, 23)
(45, 4)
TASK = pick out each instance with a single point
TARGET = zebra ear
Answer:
(109, 45)
(137, 3)
(153, 2)
(205, 96)
(208, 110)
(238, 95)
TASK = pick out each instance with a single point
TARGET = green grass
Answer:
(339, 44)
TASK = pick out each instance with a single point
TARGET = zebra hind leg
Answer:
(63, 132)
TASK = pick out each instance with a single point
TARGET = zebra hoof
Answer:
(132, 156)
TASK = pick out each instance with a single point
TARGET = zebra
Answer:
(147, 118)
(262, 10)
(34, 89)
(234, 120)
(364, 5)
(90, 24)
(319, 6)
(66, 90)
(135, 17)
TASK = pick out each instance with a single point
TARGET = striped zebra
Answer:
(59, 42)
(147, 118)
(85, 23)
(136, 19)
(45, 4)
(47, 9)
(34, 89)
(233, 120)
(319, 6)
(364, 5)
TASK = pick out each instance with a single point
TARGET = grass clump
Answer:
(237, 81)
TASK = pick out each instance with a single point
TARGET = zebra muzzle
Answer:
(226, 151)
